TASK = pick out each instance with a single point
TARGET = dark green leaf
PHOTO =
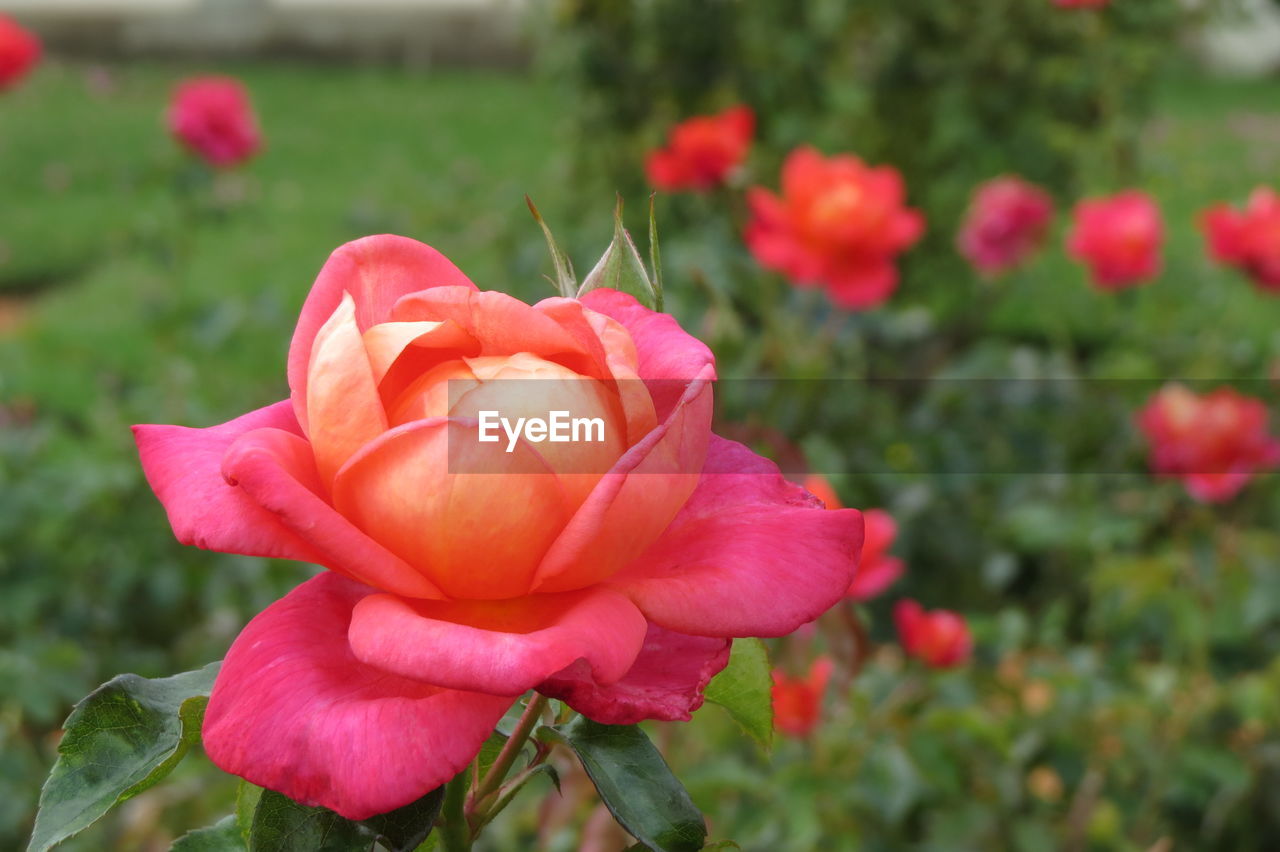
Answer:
(282, 825)
(566, 283)
(222, 836)
(124, 737)
(620, 267)
(636, 784)
(744, 689)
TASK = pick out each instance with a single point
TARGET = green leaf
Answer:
(247, 798)
(636, 784)
(620, 267)
(744, 688)
(655, 258)
(282, 825)
(222, 836)
(566, 283)
(121, 739)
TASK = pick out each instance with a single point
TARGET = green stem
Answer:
(507, 757)
(455, 834)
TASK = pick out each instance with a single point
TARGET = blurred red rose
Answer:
(1119, 237)
(838, 223)
(212, 117)
(1248, 239)
(19, 52)
(877, 570)
(939, 638)
(702, 152)
(797, 701)
(1007, 220)
(1214, 443)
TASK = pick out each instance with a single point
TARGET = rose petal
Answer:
(498, 647)
(344, 410)
(184, 468)
(274, 469)
(750, 554)
(632, 504)
(376, 271)
(665, 682)
(478, 533)
(294, 711)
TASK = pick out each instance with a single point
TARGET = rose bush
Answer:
(214, 119)
(614, 584)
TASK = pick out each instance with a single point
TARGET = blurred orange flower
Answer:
(797, 701)
(702, 152)
(838, 223)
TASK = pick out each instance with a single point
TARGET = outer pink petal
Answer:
(499, 647)
(665, 682)
(184, 468)
(376, 271)
(749, 555)
(294, 711)
(632, 504)
(273, 469)
(665, 351)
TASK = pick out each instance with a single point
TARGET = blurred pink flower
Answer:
(19, 52)
(1006, 222)
(702, 152)
(837, 223)
(939, 638)
(213, 118)
(1119, 238)
(1247, 239)
(1214, 443)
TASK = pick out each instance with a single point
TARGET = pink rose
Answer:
(877, 569)
(212, 117)
(19, 52)
(1007, 221)
(1247, 239)
(702, 152)
(1119, 238)
(611, 575)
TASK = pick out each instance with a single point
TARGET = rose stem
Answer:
(455, 833)
(511, 750)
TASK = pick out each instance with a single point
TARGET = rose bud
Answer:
(838, 224)
(610, 574)
(797, 701)
(19, 52)
(1247, 239)
(702, 152)
(1007, 221)
(1119, 238)
(212, 118)
(939, 638)
(1214, 443)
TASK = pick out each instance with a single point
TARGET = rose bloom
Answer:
(1214, 443)
(797, 701)
(877, 570)
(213, 118)
(611, 574)
(1119, 237)
(1006, 222)
(939, 638)
(19, 52)
(1248, 239)
(837, 223)
(702, 152)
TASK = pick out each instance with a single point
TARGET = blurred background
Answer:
(1124, 688)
